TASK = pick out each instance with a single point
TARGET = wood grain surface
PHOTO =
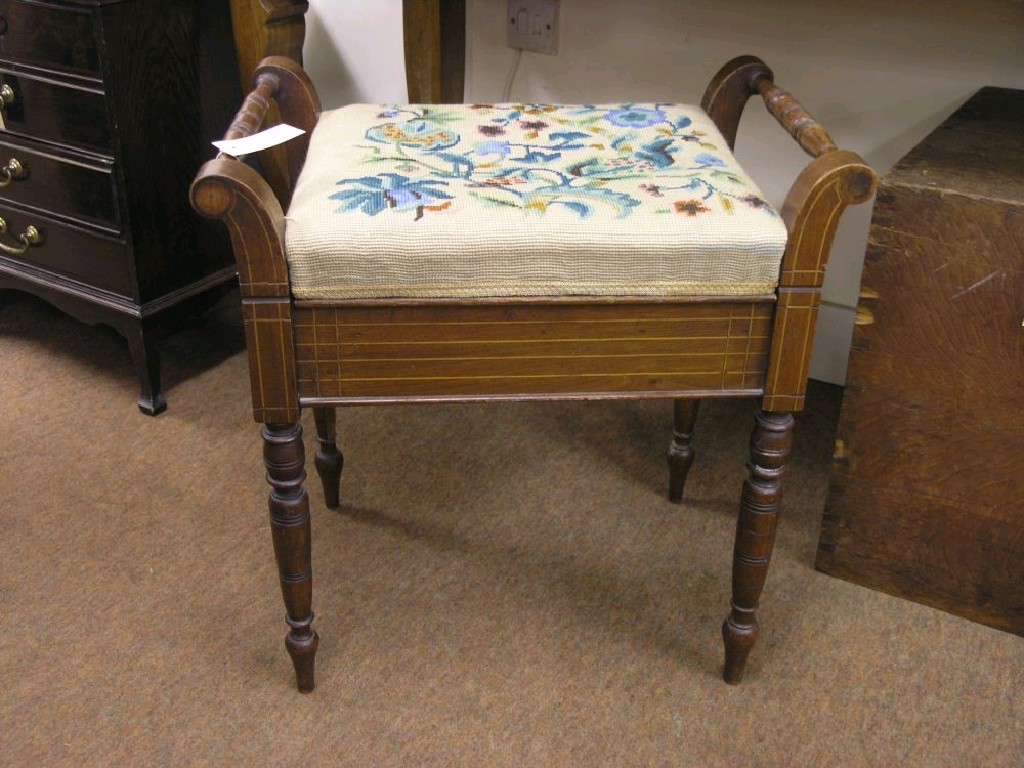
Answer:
(927, 494)
(459, 349)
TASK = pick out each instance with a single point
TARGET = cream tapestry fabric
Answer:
(527, 200)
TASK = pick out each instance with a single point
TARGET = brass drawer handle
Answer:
(6, 97)
(13, 171)
(31, 236)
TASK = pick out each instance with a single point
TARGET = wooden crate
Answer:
(926, 497)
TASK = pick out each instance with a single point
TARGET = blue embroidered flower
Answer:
(635, 117)
(374, 194)
(493, 148)
(658, 153)
(707, 160)
(417, 133)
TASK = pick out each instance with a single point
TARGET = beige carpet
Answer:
(505, 586)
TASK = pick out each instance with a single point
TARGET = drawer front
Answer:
(59, 183)
(60, 112)
(68, 250)
(45, 35)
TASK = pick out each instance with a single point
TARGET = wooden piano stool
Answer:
(489, 252)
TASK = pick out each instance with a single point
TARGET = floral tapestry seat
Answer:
(475, 200)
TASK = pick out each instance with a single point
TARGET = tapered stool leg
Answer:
(329, 460)
(284, 457)
(770, 446)
(680, 452)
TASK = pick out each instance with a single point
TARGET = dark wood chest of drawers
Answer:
(108, 109)
(926, 498)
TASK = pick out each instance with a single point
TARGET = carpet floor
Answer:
(505, 585)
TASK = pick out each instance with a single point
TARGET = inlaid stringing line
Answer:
(728, 336)
(780, 336)
(808, 338)
(683, 355)
(526, 341)
(746, 352)
(259, 360)
(289, 395)
(340, 323)
(836, 211)
(530, 376)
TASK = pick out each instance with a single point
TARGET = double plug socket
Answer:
(532, 25)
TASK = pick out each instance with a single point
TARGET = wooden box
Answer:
(926, 497)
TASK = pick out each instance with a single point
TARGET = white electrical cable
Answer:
(506, 95)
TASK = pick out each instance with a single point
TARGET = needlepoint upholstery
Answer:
(476, 200)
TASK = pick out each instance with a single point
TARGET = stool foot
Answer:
(770, 446)
(680, 451)
(329, 460)
(738, 642)
(301, 644)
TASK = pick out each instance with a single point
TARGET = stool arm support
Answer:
(300, 106)
(741, 78)
(809, 134)
(728, 91)
(253, 114)
(279, 80)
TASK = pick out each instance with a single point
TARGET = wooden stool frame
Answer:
(760, 348)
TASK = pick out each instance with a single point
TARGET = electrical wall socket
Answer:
(533, 25)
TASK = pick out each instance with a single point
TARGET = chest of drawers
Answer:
(108, 107)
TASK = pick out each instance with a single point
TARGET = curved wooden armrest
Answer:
(812, 211)
(817, 198)
(729, 89)
(230, 190)
(854, 181)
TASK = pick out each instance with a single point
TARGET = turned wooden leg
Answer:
(284, 457)
(680, 452)
(755, 535)
(329, 461)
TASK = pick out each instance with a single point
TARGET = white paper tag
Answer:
(271, 137)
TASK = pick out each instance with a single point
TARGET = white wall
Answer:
(354, 52)
(879, 74)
